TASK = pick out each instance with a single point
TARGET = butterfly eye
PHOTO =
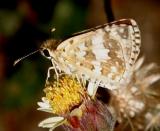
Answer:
(45, 53)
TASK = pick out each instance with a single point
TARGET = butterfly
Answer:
(104, 54)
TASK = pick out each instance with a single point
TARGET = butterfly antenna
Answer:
(18, 60)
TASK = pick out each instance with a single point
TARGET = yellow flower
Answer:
(65, 94)
(73, 107)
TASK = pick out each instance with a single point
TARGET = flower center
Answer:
(64, 94)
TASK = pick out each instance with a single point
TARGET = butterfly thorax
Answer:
(50, 44)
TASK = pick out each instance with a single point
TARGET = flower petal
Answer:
(43, 105)
(49, 110)
(51, 122)
(139, 63)
(151, 79)
(144, 70)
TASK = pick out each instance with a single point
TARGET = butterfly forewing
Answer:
(105, 53)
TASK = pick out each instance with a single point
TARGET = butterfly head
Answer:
(48, 48)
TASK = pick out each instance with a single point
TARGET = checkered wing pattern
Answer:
(104, 54)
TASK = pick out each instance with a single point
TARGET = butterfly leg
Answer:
(92, 88)
(83, 81)
(49, 72)
(56, 71)
(57, 67)
(96, 88)
(78, 79)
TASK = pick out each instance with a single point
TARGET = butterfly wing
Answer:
(105, 53)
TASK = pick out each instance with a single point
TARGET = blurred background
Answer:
(25, 24)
